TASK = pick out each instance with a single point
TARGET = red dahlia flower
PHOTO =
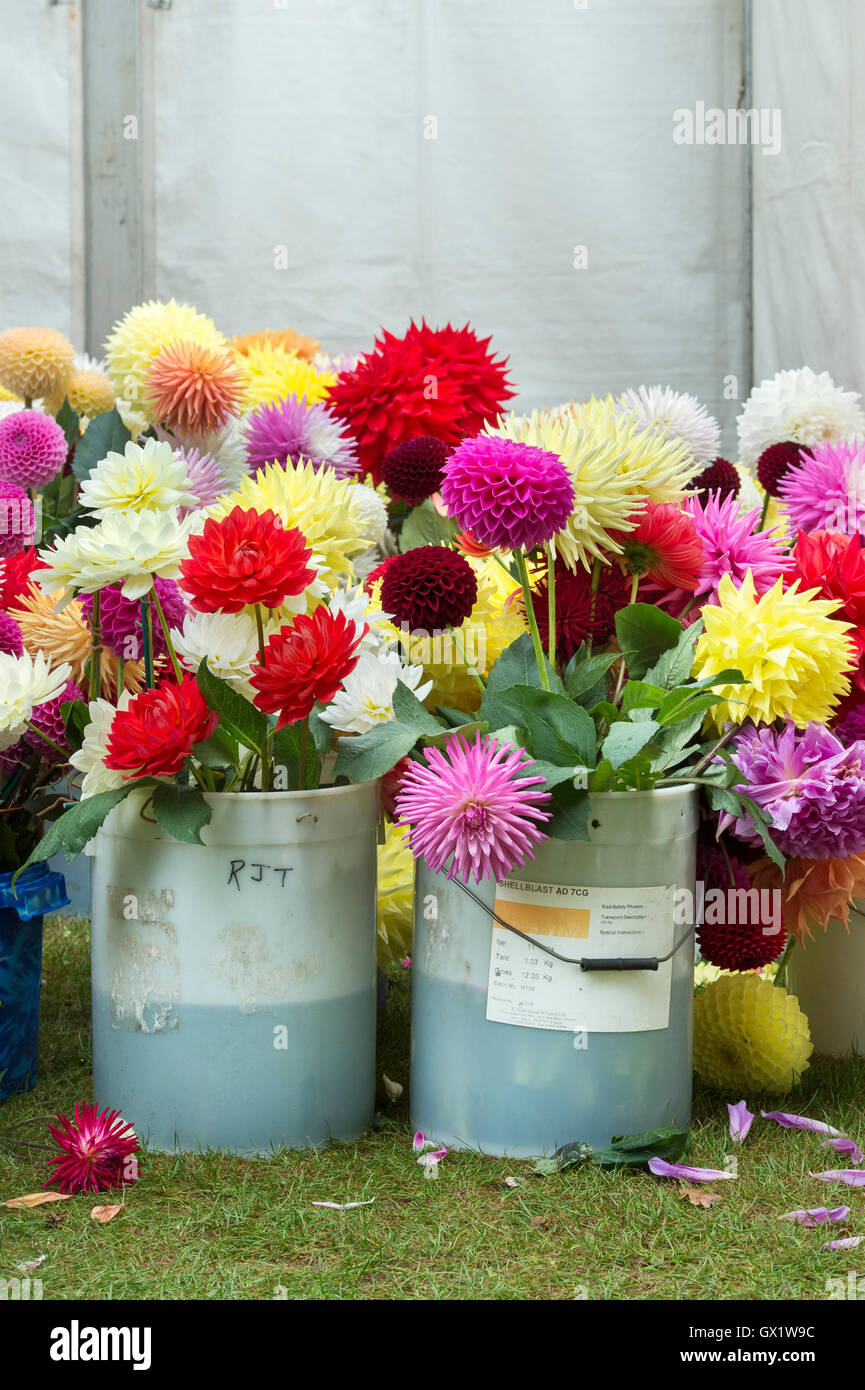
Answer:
(665, 546)
(247, 557)
(834, 565)
(159, 728)
(442, 382)
(429, 588)
(96, 1151)
(306, 662)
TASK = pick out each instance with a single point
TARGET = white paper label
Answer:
(532, 989)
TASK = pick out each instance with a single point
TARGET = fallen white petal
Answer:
(344, 1206)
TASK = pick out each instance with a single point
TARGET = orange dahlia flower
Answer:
(194, 388)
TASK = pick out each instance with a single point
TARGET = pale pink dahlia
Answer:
(731, 545)
(32, 448)
(472, 807)
(205, 477)
(509, 495)
(826, 492)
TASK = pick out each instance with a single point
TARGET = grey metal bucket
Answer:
(523, 1090)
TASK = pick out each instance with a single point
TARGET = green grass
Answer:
(214, 1226)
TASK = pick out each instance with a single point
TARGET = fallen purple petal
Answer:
(344, 1206)
(848, 1243)
(816, 1216)
(799, 1122)
(430, 1160)
(854, 1177)
(741, 1120)
(849, 1147)
(662, 1169)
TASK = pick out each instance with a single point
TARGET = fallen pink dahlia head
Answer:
(473, 808)
(96, 1151)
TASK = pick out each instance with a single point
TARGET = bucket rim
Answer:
(223, 798)
(687, 789)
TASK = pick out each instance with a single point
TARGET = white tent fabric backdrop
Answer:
(511, 162)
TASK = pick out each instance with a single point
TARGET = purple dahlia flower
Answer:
(288, 430)
(508, 494)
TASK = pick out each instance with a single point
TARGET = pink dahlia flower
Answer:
(205, 477)
(475, 805)
(120, 618)
(509, 495)
(11, 640)
(827, 490)
(730, 545)
(287, 431)
(97, 1151)
(32, 448)
(17, 521)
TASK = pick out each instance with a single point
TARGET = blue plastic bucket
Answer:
(563, 1058)
(38, 890)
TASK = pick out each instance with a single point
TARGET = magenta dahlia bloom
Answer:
(120, 618)
(474, 807)
(17, 521)
(205, 478)
(97, 1151)
(732, 545)
(11, 640)
(287, 430)
(509, 495)
(827, 490)
(49, 718)
(32, 448)
(811, 787)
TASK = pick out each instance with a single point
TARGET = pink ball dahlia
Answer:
(120, 618)
(17, 522)
(49, 719)
(509, 495)
(429, 589)
(286, 431)
(32, 448)
(96, 1151)
(826, 492)
(474, 808)
(413, 470)
(11, 640)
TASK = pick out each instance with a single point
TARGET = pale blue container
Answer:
(234, 984)
(524, 1091)
(22, 908)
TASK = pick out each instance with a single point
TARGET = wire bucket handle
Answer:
(584, 962)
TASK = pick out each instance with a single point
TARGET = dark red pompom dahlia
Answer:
(247, 557)
(442, 382)
(304, 663)
(429, 589)
(774, 462)
(577, 618)
(720, 476)
(159, 728)
(413, 470)
(736, 934)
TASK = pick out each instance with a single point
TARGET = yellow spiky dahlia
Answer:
(749, 1035)
(137, 338)
(395, 897)
(656, 465)
(65, 636)
(287, 338)
(272, 374)
(35, 362)
(329, 511)
(89, 393)
(793, 655)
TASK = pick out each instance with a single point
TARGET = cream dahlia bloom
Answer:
(366, 697)
(229, 642)
(364, 611)
(26, 681)
(144, 477)
(662, 410)
(90, 757)
(124, 548)
(798, 405)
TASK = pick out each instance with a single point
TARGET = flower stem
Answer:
(166, 634)
(716, 747)
(47, 738)
(120, 679)
(551, 604)
(259, 623)
(147, 641)
(596, 579)
(196, 774)
(301, 755)
(461, 653)
(523, 572)
(266, 766)
(766, 500)
(635, 582)
(781, 973)
(95, 665)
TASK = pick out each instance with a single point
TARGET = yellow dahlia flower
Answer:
(137, 338)
(89, 393)
(331, 513)
(287, 338)
(35, 362)
(604, 498)
(749, 1035)
(793, 655)
(654, 464)
(272, 374)
(395, 897)
(65, 637)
